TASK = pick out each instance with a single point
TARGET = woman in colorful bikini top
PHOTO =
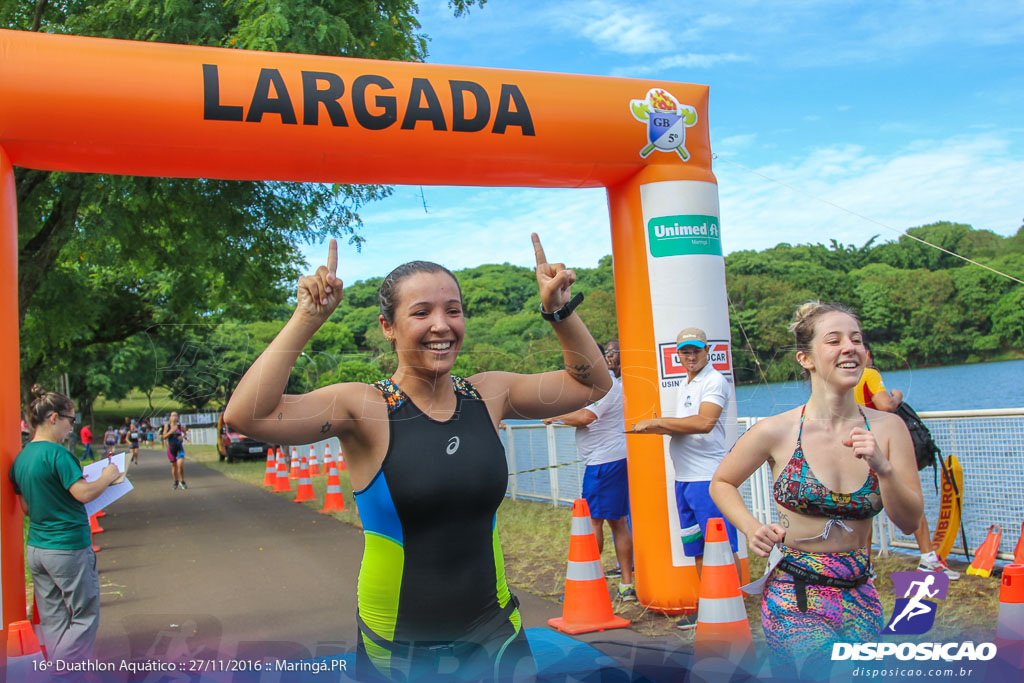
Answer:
(834, 464)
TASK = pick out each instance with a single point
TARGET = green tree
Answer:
(1008, 314)
(496, 287)
(127, 254)
(598, 312)
(351, 370)
(913, 253)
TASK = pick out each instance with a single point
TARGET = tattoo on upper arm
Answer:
(326, 428)
(280, 416)
(581, 371)
(784, 520)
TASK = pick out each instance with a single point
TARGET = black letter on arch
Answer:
(505, 117)
(421, 89)
(388, 104)
(262, 103)
(312, 97)
(213, 110)
(483, 106)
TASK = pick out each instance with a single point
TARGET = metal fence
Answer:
(189, 419)
(207, 436)
(544, 465)
(203, 436)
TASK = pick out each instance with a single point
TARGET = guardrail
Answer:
(544, 465)
(207, 436)
(188, 419)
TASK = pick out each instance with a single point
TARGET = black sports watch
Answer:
(563, 312)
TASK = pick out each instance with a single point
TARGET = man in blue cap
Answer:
(698, 443)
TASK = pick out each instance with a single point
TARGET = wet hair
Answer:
(805, 319)
(45, 403)
(387, 296)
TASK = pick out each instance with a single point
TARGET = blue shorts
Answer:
(695, 509)
(606, 490)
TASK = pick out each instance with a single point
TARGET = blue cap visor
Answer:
(691, 342)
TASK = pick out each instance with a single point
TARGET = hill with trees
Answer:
(918, 305)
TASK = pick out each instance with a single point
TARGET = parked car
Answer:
(233, 445)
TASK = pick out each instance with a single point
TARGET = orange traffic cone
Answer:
(293, 473)
(588, 606)
(305, 490)
(1010, 627)
(333, 500)
(342, 466)
(985, 556)
(328, 458)
(23, 652)
(1018, 552)
(283, 482)
(270, 474)
(94, 525)
(722, 626)
(314, 465)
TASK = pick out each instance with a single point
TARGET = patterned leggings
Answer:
(833, 614)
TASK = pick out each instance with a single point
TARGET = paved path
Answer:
(230, 571)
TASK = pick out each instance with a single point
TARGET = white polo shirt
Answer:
(696, 456)
(604, 439)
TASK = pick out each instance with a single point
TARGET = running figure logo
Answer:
(667, 121)
(914, 613)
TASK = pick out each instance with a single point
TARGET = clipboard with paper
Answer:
(755, 587)
(92, 472)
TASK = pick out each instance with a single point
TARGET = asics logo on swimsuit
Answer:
(453, 445)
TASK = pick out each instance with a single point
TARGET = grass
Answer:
(535, 542)
(134, 405)
(252, 471)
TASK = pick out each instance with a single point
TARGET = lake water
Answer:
(955, 387)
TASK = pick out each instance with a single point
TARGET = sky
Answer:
(830, 119)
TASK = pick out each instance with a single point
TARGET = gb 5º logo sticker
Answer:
(667, 121)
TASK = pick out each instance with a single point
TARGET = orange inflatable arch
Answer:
(106, 106)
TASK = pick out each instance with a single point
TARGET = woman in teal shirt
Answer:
(48, 480)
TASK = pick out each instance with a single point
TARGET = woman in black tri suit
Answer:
(426, 464)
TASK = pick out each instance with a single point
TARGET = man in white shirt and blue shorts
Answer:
(698, 443)
(601, 442)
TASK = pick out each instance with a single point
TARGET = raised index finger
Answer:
(538, 250)
(332, 258)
